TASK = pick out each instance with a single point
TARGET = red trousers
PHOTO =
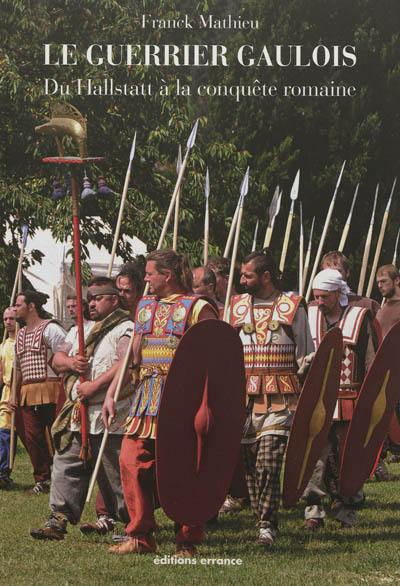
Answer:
(38, 420)
(137, 463)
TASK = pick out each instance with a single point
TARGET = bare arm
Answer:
(62, 362)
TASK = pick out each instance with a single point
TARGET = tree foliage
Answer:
(275, 136)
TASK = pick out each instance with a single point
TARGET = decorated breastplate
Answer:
(161, 325)
(32, 353)
(270, 365)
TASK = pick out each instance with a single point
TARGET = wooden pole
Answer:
(177, 204)
(272, 213)
(308, 256)
(301, 251)
(121, 207)
(254, 246)
(231, 233)
(293, 196)
(380, 242)
(324, 232)
(395, 248)
(367, 247)
(348, 222)
(206, 218)
(243, 192)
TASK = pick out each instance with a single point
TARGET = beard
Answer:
(389, 293)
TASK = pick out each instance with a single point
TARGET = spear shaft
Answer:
(177, 205)
(380, 242)
(121, 208)
(308, 256)
(367, 247)
(395, 248)
(325, 230)
(348, 222)
(255, 237)
(301, 251)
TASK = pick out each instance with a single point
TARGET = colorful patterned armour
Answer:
(271, 366)
(161, 325)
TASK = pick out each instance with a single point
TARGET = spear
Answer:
(323, 236)
(293, 196)
(367, 247)
(348, 221)
(13, 394)
(189, 145)
(244, 188)
(308, 256)
(395, 248)
(128, 355)
(231, 232)
(177, 204)
(272, 212)
(380, 242)
(206, 217)
(301, 250)
(255, 237)
(121, 207)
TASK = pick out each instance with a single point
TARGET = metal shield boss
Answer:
(200, 422)
(372, 414)
(313, 416)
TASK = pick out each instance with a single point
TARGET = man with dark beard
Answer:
(278, 348)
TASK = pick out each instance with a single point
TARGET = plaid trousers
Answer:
(263, 462)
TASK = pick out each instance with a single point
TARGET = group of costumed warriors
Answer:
(176, 392)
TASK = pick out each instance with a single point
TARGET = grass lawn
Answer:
(366, 554)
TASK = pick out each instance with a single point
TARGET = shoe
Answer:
(54, 529)
(145, 544)
(102, 526)
(40, 488)
(266, 536)
(313, 524)
(232, 504)
(49, 533)
(185, 550)
(345, 516)
(6, 483)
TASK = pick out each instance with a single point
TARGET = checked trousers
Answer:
(263, 462)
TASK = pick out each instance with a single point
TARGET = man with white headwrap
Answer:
(359, 344)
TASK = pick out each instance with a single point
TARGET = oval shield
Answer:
(313, 416)
(372, 414)
(200, 422)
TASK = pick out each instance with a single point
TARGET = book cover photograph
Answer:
(201, 296)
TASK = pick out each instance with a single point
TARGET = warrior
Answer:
(220, 267)
(337, 260)
(388, 281)
(161, 319)
(105, 345)
(37, 381)
(129, 283)
(278, 348)
(205, 283)
(6, 367)
(332, 309)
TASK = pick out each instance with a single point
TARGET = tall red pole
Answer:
(78, 287)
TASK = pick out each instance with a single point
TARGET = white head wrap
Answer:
(332, 280)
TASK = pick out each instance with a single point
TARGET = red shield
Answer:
(373, 412)
(200, 422)
(313, 416)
